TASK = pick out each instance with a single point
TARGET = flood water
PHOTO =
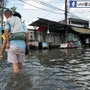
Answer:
(53, 69)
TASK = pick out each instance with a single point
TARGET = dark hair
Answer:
(17, 14)
(7, 11)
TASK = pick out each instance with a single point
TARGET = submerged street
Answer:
(49, 69)
(44, 27)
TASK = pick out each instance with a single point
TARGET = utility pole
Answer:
(2, 5)
(66, 12)
(2, 9)
(66, 21)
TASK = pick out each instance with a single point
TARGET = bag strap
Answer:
(13, 24)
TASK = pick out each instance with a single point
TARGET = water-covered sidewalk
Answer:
(53, 69)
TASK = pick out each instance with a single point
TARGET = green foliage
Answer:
(13, 9)
(23, 21)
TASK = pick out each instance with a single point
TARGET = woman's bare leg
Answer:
(3, 47)
(20, 66)
(15, 68)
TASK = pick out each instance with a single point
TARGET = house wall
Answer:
(78, 23)
(53, 38)
(31, 35)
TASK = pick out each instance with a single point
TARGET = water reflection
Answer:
(53, 69)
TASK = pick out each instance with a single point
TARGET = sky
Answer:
(48, 9)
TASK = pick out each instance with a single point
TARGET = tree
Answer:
(13, 9)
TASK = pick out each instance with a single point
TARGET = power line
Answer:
(48, 5)
(81, 12)
(39, 7)
(75, 16)
(51, 6)
(50, 13)
(15, 4)
(43, 3)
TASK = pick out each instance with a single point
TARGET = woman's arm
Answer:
(7, 37)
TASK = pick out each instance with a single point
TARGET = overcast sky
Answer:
(31, 10)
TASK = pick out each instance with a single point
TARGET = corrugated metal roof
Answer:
(53, 25)
(81, 30)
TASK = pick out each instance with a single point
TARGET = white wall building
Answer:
(77, 22)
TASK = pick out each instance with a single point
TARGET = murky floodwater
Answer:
(54, 69)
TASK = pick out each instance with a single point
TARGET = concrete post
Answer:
(66, 21)
(1, 26)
